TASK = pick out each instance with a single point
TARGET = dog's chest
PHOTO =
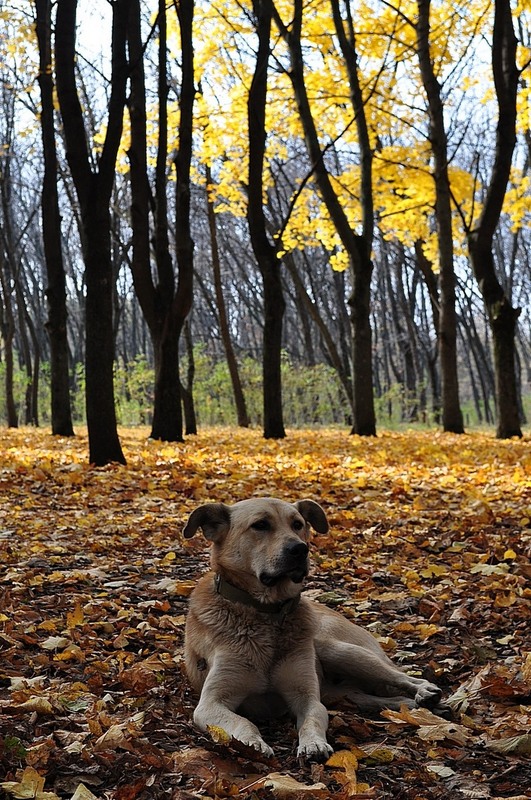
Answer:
(258, 641)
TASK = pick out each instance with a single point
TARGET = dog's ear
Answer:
(313, 513)
(213, 518)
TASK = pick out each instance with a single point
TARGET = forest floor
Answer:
(429, 548)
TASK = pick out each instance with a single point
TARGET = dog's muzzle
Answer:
(292, 564)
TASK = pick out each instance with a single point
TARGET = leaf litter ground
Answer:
(429, 548)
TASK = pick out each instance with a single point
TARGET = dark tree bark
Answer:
(502, 316)
(31, 357)
(165, 302)
(190, 419)
(56, 324)
(426, 269)
(452, 418)
(264, 250)
(357, 246)
(94, 188)
(184, 245)
(7, 331)
(239, 397)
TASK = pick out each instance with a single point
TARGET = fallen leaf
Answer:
(218, 735)
(39, 705)
(284, 785)
(82, 793)
(30, 787)
(519, 745)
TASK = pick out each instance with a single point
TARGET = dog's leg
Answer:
(297, 682)
(366, 703)
(221, 694)
(364, 669)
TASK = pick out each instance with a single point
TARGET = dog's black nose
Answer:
(297, 550)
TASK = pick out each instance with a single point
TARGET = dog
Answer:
(254, 646)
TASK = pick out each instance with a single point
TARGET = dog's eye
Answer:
(261, 525)
(297, 525)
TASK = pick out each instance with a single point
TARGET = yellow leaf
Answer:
(426, 630)
(76, 617)
(505, 599)
(219, 735)
(343, 758)
(434, 570)
(508, 555)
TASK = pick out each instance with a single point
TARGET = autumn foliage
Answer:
(428, 548)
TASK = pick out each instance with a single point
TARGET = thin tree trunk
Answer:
(239, 397)
(426, 269)
(7, 330)
(190, 419)
(56, 325)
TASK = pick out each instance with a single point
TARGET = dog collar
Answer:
(274, 610)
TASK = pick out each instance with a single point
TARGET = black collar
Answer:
(275, 610)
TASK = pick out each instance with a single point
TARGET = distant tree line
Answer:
(270, 213)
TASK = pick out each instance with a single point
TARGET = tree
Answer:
(452, 418)
(93, 188)
(51, 231)
(166, 302)
(265, 251)
(502, 316)
(357, 246)
(239, 397)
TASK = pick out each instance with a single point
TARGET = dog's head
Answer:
(260, 543)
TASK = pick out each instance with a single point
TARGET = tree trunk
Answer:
(7, 330)
(502, 320)
(94, 193)
(426, 269)
(167, 412)
(165, 306)
(502, 316)
(239, 397)
(190, 419)
(452, 418)
(264, 250)
(364, 419)
(30, 360)
(61, 412)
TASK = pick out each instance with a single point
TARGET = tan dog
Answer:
(254, 645)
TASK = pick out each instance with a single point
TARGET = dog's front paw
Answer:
(317, 750)
(428, 695)
(257, 743)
